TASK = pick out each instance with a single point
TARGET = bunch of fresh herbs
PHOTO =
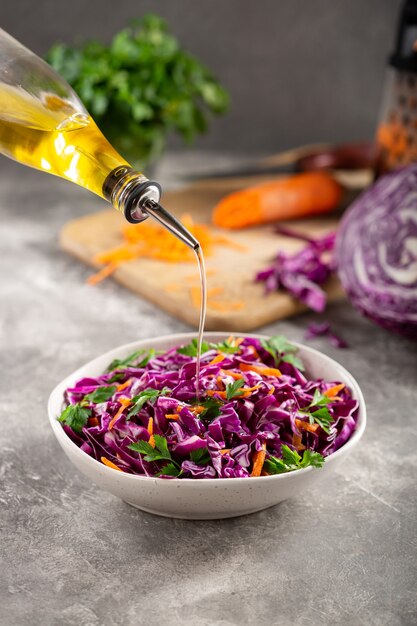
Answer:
(141, 86)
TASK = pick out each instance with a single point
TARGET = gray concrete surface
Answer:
(72, 555)
(299, 71)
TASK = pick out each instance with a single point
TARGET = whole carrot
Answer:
(297, 196)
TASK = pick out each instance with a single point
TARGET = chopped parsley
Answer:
(148, 395)
(291, 460)
(75, 416)
(101, 394)
(282, 350)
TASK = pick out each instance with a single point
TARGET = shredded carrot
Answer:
(155, 242)
(196, 294)
(124, 385)
(245, 392)
(263, 370)
(152, 441)
(110, 464)
(226, 306)
(102, 274)
(311, 428)
(333, 391)
(296, 442)
(220, 382)
(217, 359)
(150, 426)
(93, 421)
(172, 416)
(124, 402)
(225, 450)
(234, 375)
(197, 409)
(271, 391)
(258, 461)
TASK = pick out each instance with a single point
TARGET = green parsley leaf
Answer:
(323, 418)
(170, 470)
(291, 461)
(148, 395)
(225, 346)
(319, 399)
(290, 457)
(159, 453)
(200, 456)
(75, 416)
(132, 360)
(101, 394)
(116, 378)
(190, 349)
(312, 458)
(232, 390)
(282, 350)
(211, 409)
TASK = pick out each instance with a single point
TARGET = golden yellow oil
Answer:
(52, 135)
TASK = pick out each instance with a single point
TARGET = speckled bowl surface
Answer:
(207, 498)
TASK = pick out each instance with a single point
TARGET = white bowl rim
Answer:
(182, 338)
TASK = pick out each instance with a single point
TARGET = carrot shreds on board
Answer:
(102, 274)
(155, 242)
(172, 416)
(173, 287)
(224, 306)
(258, 461)
(260, 369)
(333, 391)
(110, 464)
(306, 426)
(124, 402)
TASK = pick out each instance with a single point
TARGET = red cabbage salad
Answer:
(257, 412)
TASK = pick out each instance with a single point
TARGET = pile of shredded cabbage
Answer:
(257, 412)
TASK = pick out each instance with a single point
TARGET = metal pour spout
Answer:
(157, 211)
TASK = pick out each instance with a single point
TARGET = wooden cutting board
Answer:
(240, 303)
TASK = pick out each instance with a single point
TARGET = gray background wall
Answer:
(299, 71)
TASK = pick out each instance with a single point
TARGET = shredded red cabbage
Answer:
(323, 329)
(257, 413)
(302, 274)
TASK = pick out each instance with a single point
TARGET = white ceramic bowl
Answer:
(205, 498)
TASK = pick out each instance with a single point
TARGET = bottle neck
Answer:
(127, 190)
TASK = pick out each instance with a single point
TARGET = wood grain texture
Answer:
(169, 285)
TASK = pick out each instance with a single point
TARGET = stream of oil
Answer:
(203, 307)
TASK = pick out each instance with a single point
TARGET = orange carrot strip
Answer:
(333, 391)
(296, 442)
(258, 461)
(152, 441)
(102, 274)
(300, 195)
(271, 391)
(263, 370)
(225, 450)
(150, 426)
(124, 402)
(217, 359)
(110, 464)
(124, 385)
(172, 416)
(234, 375)
(226, 306)
(311, 428)
(246, 391)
